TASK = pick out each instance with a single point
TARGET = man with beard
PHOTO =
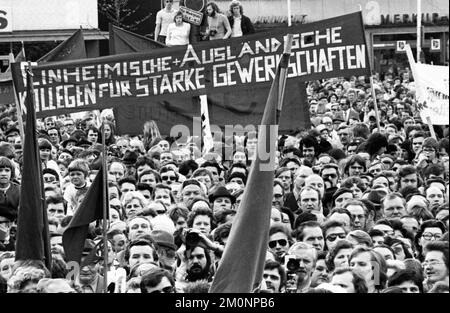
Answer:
(305, 258)
(279, 241)
(274, 276)
(198, 263)
(218, 24)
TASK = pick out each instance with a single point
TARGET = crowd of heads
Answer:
(360, 199)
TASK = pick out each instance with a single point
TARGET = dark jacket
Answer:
(9, 202)
(290, 202)
(246, 24)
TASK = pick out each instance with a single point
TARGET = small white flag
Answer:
(208, 142)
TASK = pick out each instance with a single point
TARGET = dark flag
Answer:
(33, 241)
(72, 48)
(242, 264)
(123, 41)
(90, 210)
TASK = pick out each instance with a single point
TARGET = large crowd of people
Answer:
(356, 208)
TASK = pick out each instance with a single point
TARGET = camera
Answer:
(191, 238)
(292, 264)
(212, 32)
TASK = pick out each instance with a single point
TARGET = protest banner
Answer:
(330, 48)
(432, 89)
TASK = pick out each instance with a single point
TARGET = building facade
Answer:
(389, 24)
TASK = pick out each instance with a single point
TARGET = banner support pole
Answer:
(289, 13)
(377, 115)
(105, 211)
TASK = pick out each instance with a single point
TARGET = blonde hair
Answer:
(130, 196)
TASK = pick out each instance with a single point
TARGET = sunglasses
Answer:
(164, 290)
(49, 179)
(171, 178)
(281, 242)
(333, 237)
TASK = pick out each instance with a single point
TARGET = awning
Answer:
(51, 35)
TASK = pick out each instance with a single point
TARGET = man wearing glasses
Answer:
(163, 18)
(279, 239)
(157, 280)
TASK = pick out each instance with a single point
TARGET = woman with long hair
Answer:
(110, 133)
(151, 132)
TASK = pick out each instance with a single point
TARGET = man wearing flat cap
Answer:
(89, 278)
(165, 249)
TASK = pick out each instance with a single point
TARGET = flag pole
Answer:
(419, 29)
(283, 74)
(289, 13)
(375, 104)
(105, 211)
(16, 100)
(287, 49)
(45, 235)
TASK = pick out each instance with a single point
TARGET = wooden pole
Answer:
(419, 29)
(289, 12)
(283, 75)
(377, 115)
(105, 211)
